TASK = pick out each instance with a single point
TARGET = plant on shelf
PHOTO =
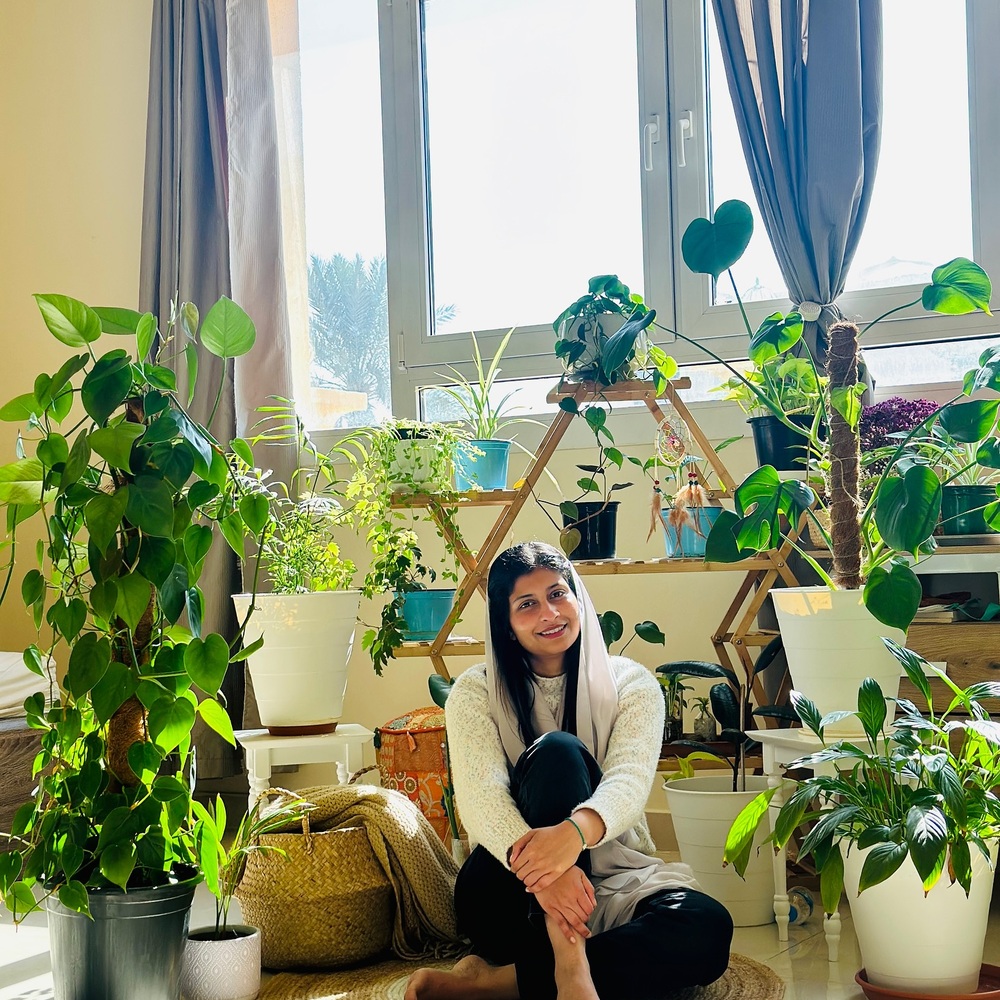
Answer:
(602, 336)
(481, 463)
(397, 565)
(883, 425)
(912, 803)
(127, 491)
(589, 525)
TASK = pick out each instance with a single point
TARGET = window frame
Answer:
(670, 40)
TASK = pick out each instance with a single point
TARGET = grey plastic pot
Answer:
(133, 947)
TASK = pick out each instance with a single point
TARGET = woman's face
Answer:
(545, 618)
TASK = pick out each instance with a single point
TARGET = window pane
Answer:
(925, 149)
(925, 364)
(533, 153)
(345, 212)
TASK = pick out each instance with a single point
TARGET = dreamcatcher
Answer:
(672, 452)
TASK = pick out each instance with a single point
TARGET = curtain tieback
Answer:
(810, 311)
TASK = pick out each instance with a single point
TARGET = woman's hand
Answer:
(542, 855)
(570, 901)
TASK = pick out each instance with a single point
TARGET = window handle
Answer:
(685, 131)
(650, 134)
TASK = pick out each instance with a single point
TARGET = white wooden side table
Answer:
(345, 748)
(782, 746)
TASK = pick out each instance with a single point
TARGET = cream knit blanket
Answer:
(416, 863)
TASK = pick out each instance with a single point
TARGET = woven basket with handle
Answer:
(327, 904)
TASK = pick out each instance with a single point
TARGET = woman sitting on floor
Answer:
(554, 747)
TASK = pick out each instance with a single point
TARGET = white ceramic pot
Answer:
(413, 462)
(300, 673)
(221, 970)
(702, 810)
(915, 943)
(833, 642)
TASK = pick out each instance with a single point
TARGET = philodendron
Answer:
(125, 486)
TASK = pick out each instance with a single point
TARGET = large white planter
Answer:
(833, 642)
(703, 810)
(221, 970)
(916, 943)
(413, 462)
(300, 673)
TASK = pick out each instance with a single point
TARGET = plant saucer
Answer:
(989, 988)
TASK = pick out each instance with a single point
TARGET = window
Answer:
(469, 164)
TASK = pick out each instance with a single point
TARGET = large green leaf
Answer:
(117, 863)
(77, 463)
(620, 347)
(134, 593)
(173, 592)
(612, 626)
(21, 482)
(254, 509)
(103, 514)
(777, 334)
(439, 689)
(739, 840)
(206, 662)
(227, 332)
(720, 546)
(987, 375)
(106, 385)
(69, 320)
(970, 422)
(893, 595)
(117, 320)
(217, 719)
(117, 685)
(170, 721)
(114, 444)
(145, 334)
(907, 508)
(927, 837)
(713, 247)
(156, 558)
(87, 663)
(20, 409)
(961, 286)
(871, 707)
(150, 506)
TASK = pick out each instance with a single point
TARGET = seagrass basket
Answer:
(328, 904)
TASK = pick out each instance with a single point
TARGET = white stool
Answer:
(345, 748)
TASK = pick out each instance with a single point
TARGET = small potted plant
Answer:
(907, 819)
(589, 527)
(222, 962)
(481, 462)
(128, 495)
(302, 631)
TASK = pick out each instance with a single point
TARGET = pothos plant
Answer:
(125, 486)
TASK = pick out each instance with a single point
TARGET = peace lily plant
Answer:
(127, 490)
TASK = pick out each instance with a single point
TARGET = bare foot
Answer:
(573, 981)
(470, 979)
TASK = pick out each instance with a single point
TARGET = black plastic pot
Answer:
(597, 523)
(962, 509)
(779, 445)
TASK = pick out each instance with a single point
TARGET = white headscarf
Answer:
(596, 692)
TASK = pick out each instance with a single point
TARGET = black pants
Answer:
(676, 938)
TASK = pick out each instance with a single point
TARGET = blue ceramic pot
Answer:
(425, 612)
(691, 543)
(487, 471)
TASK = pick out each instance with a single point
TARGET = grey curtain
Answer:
(805, 78)
(209, 109)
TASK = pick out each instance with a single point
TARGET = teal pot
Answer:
(133, 947)
(778, 445)
(962, 509)
(425, 612)
(597, 523)
(487, 471)
(688, 542)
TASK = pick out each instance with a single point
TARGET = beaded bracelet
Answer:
(583, 839)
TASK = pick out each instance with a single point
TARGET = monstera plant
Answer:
(126, 490)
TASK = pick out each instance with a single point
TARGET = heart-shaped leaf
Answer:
(69, 320)
(961, 286)
(170, 721)
(893, 595)
(117, 863)
(134, 592)
(217, 719)
(103, 514)
(150, 506)
(87, 663)
(713, 247)
(569, 540)
(907, 508)
(117, 685)
(612, 626)
(118, 321)
(106, 385)
(228, 332)
(777, 334)
(206, 662)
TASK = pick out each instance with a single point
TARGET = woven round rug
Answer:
(745, 979)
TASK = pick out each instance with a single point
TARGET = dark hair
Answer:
(509, 656)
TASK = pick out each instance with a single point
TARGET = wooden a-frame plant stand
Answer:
(760, 572)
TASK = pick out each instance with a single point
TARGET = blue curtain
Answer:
(805, 78)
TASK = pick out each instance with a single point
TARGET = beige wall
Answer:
(73, 84)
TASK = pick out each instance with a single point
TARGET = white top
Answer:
(479, 765)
